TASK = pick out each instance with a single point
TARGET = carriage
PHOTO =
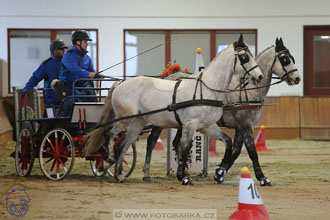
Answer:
(57, 139)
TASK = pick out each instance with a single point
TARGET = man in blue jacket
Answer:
(76, 64)
(48, 71)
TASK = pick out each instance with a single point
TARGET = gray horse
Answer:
(275, 59)
(141, 95)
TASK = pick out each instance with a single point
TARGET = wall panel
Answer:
(315, 118)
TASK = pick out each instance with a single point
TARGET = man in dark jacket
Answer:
(76, 64)
(48, 71)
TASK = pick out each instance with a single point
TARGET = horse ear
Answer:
(281, 41)
(240, 40)
(276, 42)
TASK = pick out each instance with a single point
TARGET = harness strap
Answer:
(177, 118)
(186, 104)
(169, 108)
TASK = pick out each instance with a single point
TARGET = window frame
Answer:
(167, 42)
(52, 37)
(309, 75)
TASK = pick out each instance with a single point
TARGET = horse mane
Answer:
(264, 51)
(217, 56)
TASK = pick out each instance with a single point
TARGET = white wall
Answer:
(271, 18)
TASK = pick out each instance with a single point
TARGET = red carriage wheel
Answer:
(128, 162)
(24, 152)
(57, 153)
(95, 164)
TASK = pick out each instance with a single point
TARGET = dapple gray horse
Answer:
(141, 95)
(275, 59)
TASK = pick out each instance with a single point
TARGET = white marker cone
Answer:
(250, 204)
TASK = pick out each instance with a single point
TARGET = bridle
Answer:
(243, 58)
(285, 58)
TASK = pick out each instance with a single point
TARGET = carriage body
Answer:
(56, 140)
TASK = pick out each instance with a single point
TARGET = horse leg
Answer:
(188, 131)
(237, 147)
(176, 146)
(238, 143)
(133, 131)
(176, 140)
(151, 143)
(251, 149)
(214, 131)
(115, 130)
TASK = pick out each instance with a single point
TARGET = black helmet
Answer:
(57, 44)
(80, 35)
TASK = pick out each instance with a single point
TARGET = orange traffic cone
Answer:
(250, 204)
(159, 145)
(260, 141)
(212, 150)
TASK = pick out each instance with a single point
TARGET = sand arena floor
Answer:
(299, 171)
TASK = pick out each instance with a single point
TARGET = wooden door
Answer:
(317, 60)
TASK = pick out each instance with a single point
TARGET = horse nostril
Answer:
(260, 77)
(297, 79)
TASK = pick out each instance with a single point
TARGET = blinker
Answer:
(285, 60)
(243, 58)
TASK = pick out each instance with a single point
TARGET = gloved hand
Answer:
(54, 83)
(99, 76)
(91, 75)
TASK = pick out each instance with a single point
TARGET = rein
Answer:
(172, 107)
(206, 102)
(283, 63)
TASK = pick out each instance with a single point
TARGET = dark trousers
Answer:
(66, 108)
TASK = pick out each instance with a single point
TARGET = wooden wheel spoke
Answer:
(49, 160)
(57, 169)
(53, 165)
(48, 152)
(51, 144)
(63, 156)
(62, 141)
(64, 167)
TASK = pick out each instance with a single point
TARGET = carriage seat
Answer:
(88, 112)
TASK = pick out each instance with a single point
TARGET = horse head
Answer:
(244, 61)
(284, 64)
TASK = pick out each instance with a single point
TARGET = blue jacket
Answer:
(47, 71)
(75, 66)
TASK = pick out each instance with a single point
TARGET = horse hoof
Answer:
(101, 168)
(147, 179)
(122, 179)
(265, 182)
(186, 181)
(219, 174)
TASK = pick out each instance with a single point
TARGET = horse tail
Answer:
(96, 138)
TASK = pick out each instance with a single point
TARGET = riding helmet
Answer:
(79, 36)
(57, 44)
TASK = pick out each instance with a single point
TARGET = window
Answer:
(28, 48)
(225, 38)
(137, 42)
(148, 52)
(316, 60)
